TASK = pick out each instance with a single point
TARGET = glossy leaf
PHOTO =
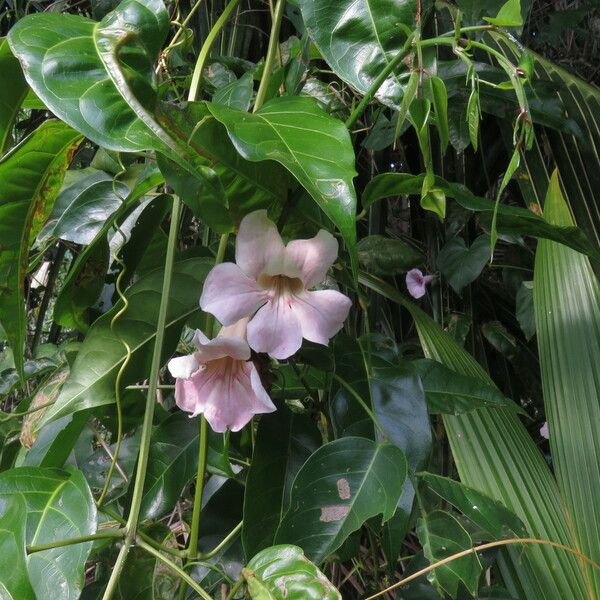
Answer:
(495, 454)
(92, 378)
(82, 209)
(14, 580)
(284, 441)
(441, 536)
(461, 265)
(359, 39)
(452, 393)
(173, 462)
(284, 573)
(439, 98)
(509, 15)
(31, 177)
(384, 256)
(59, 506)
(237, 94)
(567, 314)
(59, 54)
(492, 516)
(295, 132)
(11, 95)
(342, 485)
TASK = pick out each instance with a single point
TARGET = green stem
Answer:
(205, 50)
(138, 490)
(357, 397)
(182, 27)
(223, 543)
(180, 572)
(232, 592)
(24, 413)
(101, 535)
(358, 111)
(271, 52)
(197, 511)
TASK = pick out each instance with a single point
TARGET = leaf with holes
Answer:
(342, 485)
(59, 506)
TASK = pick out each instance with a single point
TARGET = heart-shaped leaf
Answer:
(284, 573)
(31, 176)
(59, 506)
(312, 145)
(359, 39)
(342, 485)
(461, 265)
(92, 379)
(385, 256)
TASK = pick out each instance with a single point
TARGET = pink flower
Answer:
(544, 431)
(220, 381)
(269, 284)
(416, 283)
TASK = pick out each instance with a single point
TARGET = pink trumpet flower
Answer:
(416, 283)
(269, 284)
(220, 381)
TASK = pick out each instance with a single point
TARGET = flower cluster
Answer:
(264, 303)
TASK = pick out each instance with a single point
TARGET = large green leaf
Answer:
(567, 316)
(461, 265)
(92, 379)
(284, 573)
(441, 536)
(173, 462)
(59, 506)
(59, 53)
(31, 176)
(342, 485)
(495, 454)
(359, 39)
(12, 93)
(14, 581)
(312, 145)
(284, 441)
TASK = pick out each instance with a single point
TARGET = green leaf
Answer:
(284, 441)
(451, 393)
(82, 209)
(173, 462)
(92, 379)
(384, 256)
(14, 581)
(59, 53)
(495, 454)
(342, 485)
(340, 28)
(59, 506)
(237, 94)
(441, 536)
(492, 516)
(439, 97)
(12, 93)
(509, 15)
(410, 94)
(525, 310)
(31, 176)
(461, 265)
(313, 146)
(284, 573)
(567, 314)
(473, 116)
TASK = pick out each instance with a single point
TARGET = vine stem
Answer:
(205, 50)
(136, 500)
(358, 111)
(271, 52)
(100, 535)
(481, 548)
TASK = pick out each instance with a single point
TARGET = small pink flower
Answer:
(416, 283)
(269, 284)
(544, 431)
(220, 381)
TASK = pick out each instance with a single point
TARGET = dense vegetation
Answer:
(299, 300)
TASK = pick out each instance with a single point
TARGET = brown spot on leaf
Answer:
(343, 488)
(333, 512)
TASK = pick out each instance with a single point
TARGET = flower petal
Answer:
(188, 393)
(544, 431)
(313, 257)
(416, 282)
(321, 314)
(222, 346)
(257, 242)
(230, 295)
(274, 329)
(183, 367)
(261, 401)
